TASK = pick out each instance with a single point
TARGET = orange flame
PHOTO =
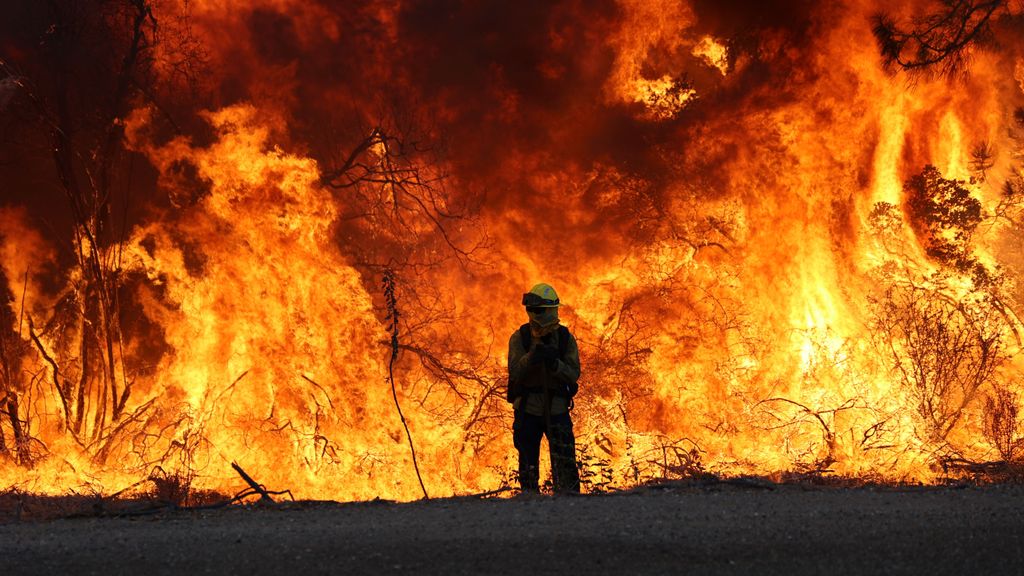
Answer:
(732, 224)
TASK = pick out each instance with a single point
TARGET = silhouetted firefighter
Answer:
(543, 369)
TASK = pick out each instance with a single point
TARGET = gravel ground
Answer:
(725, 530)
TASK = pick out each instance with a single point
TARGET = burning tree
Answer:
(940, 40)
(946, 214)
(93, 65)
(401, 227)
(13, 377)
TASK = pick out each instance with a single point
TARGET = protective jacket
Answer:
(526, 383)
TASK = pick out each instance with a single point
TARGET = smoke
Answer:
(496, 81)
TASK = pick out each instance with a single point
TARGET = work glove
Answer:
(535, 357)
(548, 355)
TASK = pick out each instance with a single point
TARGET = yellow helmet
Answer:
(541, 296)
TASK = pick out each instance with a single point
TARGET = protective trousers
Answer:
(527, 430)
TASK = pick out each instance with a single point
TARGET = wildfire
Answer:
(664, 97)
(777, 254)
(714, 53)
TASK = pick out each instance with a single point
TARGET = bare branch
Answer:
(937, 42)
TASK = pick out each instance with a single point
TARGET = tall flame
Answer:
(768, 246)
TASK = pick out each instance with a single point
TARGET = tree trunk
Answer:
(20, 434)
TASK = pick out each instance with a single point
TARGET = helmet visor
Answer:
(532, 300)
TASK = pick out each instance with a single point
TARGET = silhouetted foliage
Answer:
(946, 215)
(938, 41)
(983, 157)
(943, 350)
(76, 70)
(1002, 425)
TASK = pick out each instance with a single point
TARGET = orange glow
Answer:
(664, 97)
(713, 53)
(739, 227)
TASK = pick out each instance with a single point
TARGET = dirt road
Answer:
(728, 530)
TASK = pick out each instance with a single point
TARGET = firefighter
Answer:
(543, 370)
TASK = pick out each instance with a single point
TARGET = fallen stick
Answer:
(264, 496)
(488, 493)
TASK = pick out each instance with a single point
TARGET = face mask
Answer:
(545, 319)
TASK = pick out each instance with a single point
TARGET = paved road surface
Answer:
(786, 530)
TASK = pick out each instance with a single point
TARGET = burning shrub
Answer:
(172, 487)
(943, 330)
(1002, 426)
(596, 472)
(943, 351)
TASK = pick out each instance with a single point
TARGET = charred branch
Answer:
(939, 41)
(400, 181)
(19, 431)
(256, 486)
(111, 438)
(61, 390)
(388, 285)
(829, 435)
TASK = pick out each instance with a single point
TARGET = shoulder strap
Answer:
(563, 341)
(525, 336)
